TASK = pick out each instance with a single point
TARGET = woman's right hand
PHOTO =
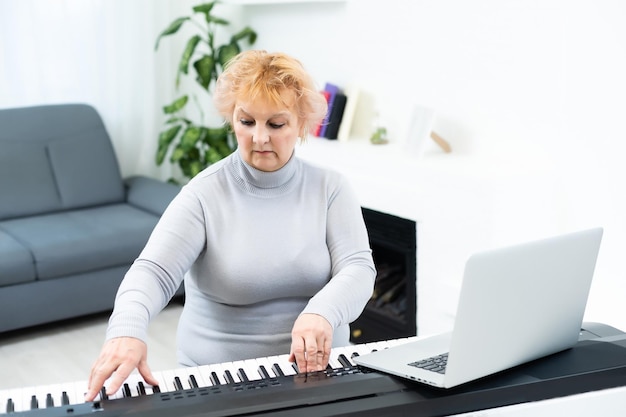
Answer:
(118, 359)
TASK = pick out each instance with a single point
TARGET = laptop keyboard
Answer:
(435, 363)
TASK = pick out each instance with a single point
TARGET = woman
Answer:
(273, 251)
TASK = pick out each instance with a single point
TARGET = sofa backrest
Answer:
(55, 158)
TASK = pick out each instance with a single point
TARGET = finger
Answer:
(327, 350)
(146, 373)
(99, 374)
(298, 354)
(118, 377)
(311, 355)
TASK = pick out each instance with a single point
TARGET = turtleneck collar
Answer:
(264, 183)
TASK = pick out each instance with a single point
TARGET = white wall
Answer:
(531, 91)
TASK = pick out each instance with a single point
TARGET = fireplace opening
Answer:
(391, 311)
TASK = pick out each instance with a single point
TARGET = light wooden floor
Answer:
(65, 351)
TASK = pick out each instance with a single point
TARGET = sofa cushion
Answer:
(61, 154)
(16, 263)
(86, 170)
(26, 180)
(77, 241)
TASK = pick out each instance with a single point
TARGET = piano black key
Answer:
(177, 384)
(277, 370)
(65, 399)
(141, 388)
(264, 373)
(126, 391)
(156, 389)
(242, 375)
(10, 406)
(34, 404)
(103, 394)
(215, 379)
(344, 361)
(49, 401)
(193, 382)
(229, 377)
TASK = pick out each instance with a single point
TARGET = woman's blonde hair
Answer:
(257, 73)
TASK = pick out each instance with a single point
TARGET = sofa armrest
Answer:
(150, 194)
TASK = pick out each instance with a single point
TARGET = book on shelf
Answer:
(332, 90)
(336, 116)
(345, 128)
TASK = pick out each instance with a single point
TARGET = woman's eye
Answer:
(246, 122)
(276, 125)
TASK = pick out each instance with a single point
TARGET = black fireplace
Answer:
(391, 311)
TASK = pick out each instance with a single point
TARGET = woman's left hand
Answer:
(311, 342)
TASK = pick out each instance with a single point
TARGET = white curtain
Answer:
(99, 52)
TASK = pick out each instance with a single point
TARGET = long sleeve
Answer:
(342, 300)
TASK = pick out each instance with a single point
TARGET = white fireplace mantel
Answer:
(461, 204)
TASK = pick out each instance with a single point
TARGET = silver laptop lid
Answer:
(520, 303)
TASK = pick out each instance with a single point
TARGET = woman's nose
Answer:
(261, 135)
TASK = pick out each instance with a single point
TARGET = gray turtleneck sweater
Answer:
(255, 249)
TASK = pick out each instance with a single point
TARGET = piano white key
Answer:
(55, 392)
(162, 384)
(333, 360)
(241, 365)
(205, 372)
(251, 366)
(184, 374)
(168, 381)
(267, 365)
(230, 367)
(362, 349)
(133, 383)
(289, 368)
(121, 392)
(218, 370)
(79, 388)
(40, 394)
(16, 395)
(347, 351)
(3, 401)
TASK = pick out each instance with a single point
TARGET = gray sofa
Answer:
(70, 225)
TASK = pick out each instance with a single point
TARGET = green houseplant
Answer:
(194, 146)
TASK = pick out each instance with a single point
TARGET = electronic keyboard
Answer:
(272, 386)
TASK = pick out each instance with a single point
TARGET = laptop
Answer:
(516, 304)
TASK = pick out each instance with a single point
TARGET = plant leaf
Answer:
(205, 70)
(226, 52)
(177, 154)
(188, 53)
(194, 168)
(204, 8)
(216, 135)
(171, 29)
(212, 156)
(244, 33)
(217, 20)
(176, 105)
(190, 137)
(165, 138)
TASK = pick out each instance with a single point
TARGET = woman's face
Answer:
(266, 133)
